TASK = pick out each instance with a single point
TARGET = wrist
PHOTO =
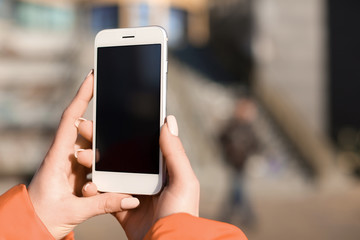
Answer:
(45, 213)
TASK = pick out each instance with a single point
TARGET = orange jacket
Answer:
(18, 220)
(182, 226)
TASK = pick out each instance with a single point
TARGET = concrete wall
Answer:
(290, 51)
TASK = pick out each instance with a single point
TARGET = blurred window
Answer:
(104, 17)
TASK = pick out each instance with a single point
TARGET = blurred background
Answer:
(265, 93)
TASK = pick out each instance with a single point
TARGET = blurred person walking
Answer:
(239, 142)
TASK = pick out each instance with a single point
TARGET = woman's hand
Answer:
(55, 190)
(181, 194)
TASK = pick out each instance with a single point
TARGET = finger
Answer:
(108, 203)
(177, 163)
(81, 142)
(86, 129)
(67, 132)
(148, 203)
(84, 157)
(89, 189)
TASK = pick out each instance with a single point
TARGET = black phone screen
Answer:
(128, 108)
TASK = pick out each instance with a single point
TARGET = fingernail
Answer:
(86, 186)
(129, 203)
(77, 151)
(172, 124)
(78, 121)
(91, 72)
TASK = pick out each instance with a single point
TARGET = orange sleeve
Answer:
(185, 226)
(18, 219)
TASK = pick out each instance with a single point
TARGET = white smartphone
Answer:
(129, 109)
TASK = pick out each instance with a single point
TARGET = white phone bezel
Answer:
(132, 183)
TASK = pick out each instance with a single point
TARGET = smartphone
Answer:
(129, 109)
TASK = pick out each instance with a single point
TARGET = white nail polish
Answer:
(78, 121)
(77, 151)
(91, 72)
(172, 124)
(86, 186)
(129, 203)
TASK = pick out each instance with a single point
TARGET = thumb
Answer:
(177, 163)
(108, 203)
